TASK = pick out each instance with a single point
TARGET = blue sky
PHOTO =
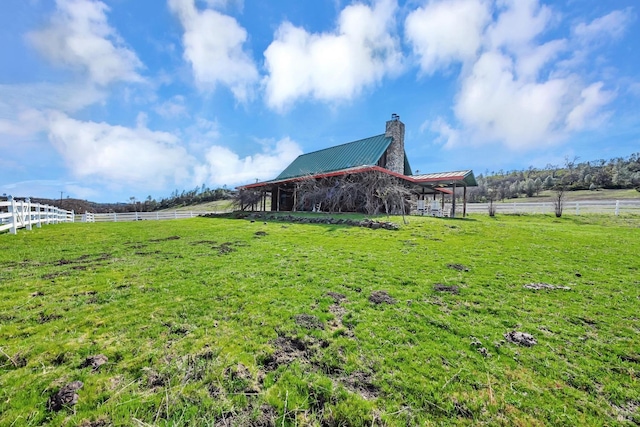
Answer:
(104, 100)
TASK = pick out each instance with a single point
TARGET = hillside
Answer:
(513, 320)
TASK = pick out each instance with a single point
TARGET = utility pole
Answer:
(61, 199)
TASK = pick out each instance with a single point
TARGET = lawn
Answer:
(212, 321)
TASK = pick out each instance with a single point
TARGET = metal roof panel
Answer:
(364, 152)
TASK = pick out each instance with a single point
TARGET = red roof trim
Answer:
(358, 169)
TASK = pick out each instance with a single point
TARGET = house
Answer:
(383, 154)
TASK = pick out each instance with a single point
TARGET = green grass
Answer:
(231, 322)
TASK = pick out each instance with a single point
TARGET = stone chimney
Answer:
(395, 152)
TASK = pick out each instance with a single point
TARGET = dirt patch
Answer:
(155, 379)
(520, 338)
(18, 360)
(143, 253)
(458, 267)
(633, 358)
(287, 350)
(379, 297)
(47, 317)
(452, 289)
(205, 242)
(260, 233)
(165, 239)
(100, 422)
(261, 416)
(37, 294)
(308, 321)
(362, 383)
(545, 287)
(95, 362)
(49, 276)
(338, 298)
(225, 248)
(66, 396)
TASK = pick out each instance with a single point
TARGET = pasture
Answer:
(213, 321)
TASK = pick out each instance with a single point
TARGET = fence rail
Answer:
(138, 216)
(615, 207)
(16, 214)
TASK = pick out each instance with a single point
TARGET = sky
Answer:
(112, 99)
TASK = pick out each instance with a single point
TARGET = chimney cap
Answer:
(395, 117)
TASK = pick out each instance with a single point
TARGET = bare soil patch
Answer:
(65, 397)
(452, 289)
(308, 321)
(337, 297)
(458, 267)
(262, 416)
(362, 383)
(520, 338)
(95, 362)
(380, 297)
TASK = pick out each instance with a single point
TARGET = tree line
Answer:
(617, 173)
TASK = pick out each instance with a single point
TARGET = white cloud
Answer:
(444, 32)
(80, 37)
(135, 157)
(336, 65)
(213, 46)
(612, 25)
(517, 87)
(223, 166)
(497, 105)
(587, 114)
(518, 24)
(173, 108)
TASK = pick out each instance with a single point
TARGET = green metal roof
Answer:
(357, 153)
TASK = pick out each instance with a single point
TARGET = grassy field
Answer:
(212, 321)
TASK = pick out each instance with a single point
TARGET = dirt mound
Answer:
(308, 321)
(338, 298)
(458, 267)
(66, 396)
(260, 233)
(379, 297)
(288, 349)
(520, 338)
(262, 416)
(545, 286)
(452, 289)
(362, 383)
(95, 362)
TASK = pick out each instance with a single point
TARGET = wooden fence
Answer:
(15, 214)
(615, 207)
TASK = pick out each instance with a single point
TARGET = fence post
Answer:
(28, 222)
(12, 211)
(115, 217)
(38, 215)
(191, 213)
(175, 214)
(577, 208)
(157, 215)
(617, 207)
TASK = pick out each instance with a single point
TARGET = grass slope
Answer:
(232, 322)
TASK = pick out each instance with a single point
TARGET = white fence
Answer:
(138, 216)
(15, 214)
(615, 207)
